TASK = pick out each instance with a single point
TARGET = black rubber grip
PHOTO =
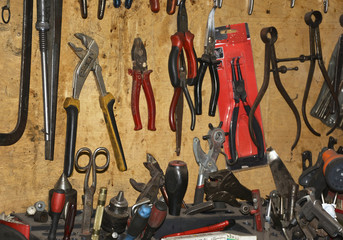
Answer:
(116, 3)
(172, 67)
(128, 4)
(72, 115)
(232, 136)
(258, 133)
(199, 195)
(215, 89)
(198, 87)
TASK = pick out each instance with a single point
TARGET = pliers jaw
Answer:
(139, 56)
(88, 61)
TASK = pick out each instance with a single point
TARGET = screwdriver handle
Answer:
(69, 222)
(128, 4)
(155, 6)
(106, 104)
(176, 182)
(56, 207)
(72, 107)
(157, 216)
(116, 3)
(138, 222)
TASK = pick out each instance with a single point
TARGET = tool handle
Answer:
(157, 216)
(101, 9)
(138, 222)
(190, 105)
(72, 107)
(198, 87)
(171, 6)
(257, 131)
(172, 122)
(150, 100)
(212, 228)
(174, 56)
(155, 6)
(215, 89)
(83, 7)
(136, 89)
(56, 207)
(106, 104)
(232, 135)
(116, 3)
(199, 194)
(176, 182)
(70, 219)
(191, 58)
(128, 4)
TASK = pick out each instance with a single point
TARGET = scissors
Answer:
(90, 190)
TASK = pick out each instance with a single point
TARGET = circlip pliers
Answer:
(89, 62)
(208, 59)
(141, 77)
(240, 94)
(181, 41)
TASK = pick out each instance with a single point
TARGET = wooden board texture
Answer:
(27, 176)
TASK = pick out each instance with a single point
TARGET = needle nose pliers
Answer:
(240, 94)
(89, 62)
(141, 76)
(208, 59)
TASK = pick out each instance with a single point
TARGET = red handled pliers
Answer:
(141, 76)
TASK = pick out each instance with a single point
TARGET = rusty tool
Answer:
(90, 190)
(155, 6)
(141, 77)
(13, 136)
(269, 37)
(89, 62)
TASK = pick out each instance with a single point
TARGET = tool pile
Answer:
(221, 203)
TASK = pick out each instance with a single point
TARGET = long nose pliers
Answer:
(208, 59)
(180, 77)
(240, 94)
(89, 62)
(141, 77)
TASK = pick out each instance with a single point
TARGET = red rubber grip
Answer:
(150, 100)
(172, 124)
(57, 201)
(191, 59)
(155, 6)
(136, 89)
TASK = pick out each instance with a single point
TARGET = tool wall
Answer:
(27, 177)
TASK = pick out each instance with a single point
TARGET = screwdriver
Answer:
(138, 222)
(57, 204)
(69, 222)
(176, 182)
(157, 216)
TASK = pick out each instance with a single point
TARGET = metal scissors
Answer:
(4, 9)
(90, 190)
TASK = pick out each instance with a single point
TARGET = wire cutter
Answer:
(89, 62)
(181, 41)
(141, 76)
(90, 190)
(240, 94)
(208, 59)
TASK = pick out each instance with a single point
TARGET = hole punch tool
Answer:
(269, 37)
(240, 94)
(141, 77)
(101, 9)
(208, 59)
(182, 41)
(90, 190)
(89, 62)
(5, 9)
(13, 136)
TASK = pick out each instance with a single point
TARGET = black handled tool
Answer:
(157, 216)
(176, 182)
